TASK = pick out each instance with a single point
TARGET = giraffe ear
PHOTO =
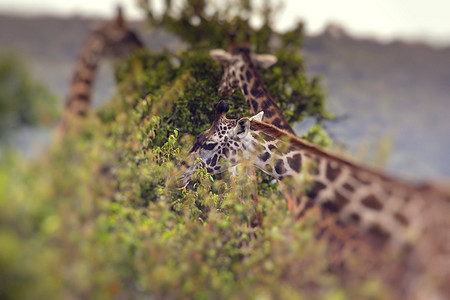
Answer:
(242, 128)
(120, 21)
(263, 60)
(258, 117)
(221, 56)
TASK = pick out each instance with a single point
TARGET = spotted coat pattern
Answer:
(360, 209)
(242, 73)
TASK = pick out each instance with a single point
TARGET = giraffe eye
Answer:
(210, 146)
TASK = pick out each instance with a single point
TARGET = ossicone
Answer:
(222, 108)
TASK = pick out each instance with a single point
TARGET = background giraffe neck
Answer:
(113, 39)
(79, 95)
(259, 99)
(381, 206)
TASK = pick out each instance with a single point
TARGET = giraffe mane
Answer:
(296, 142)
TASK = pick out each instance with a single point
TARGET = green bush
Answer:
(100, 215)
(22, 100)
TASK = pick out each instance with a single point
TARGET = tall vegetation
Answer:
(23, 101)
(100, 215)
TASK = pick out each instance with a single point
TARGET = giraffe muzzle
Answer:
(224, 92)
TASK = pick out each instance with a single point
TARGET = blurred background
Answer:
(385, 68)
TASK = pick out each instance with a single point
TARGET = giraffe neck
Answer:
(362, 212)
(258, 97)
(80, 90)
(379, 205)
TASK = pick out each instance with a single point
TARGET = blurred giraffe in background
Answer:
(114, 39)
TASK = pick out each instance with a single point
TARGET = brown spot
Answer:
(272, 147)
(279, 167)
(268, 113)
(245, 89)
(241, 77)
(83, 97)
(340, 200)
(355, 218)
(348, 187)
(379, 232)
(401, 218)
(265, 105)
(372, 202)
(249, 75)
(265, 156)
(316, 189)
(214, 160)
(267, 138)
(255, 105)
(225, 152)
(295, 162)
(210, 146)
(255, 92)
(278, 123)
(329, 207)
(333, 172)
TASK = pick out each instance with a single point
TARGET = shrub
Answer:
(100, 215)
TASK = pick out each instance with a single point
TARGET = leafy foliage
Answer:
(100, 215)
(22, 100)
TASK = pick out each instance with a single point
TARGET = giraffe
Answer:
(240, 71)
(111, 39)
(357, 207)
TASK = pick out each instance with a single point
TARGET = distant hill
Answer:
(395, 91)
(51, 46)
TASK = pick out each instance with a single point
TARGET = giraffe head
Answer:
(222, 146)
(237, 61)
(118, 39)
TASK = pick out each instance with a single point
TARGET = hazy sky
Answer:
(384, 19)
